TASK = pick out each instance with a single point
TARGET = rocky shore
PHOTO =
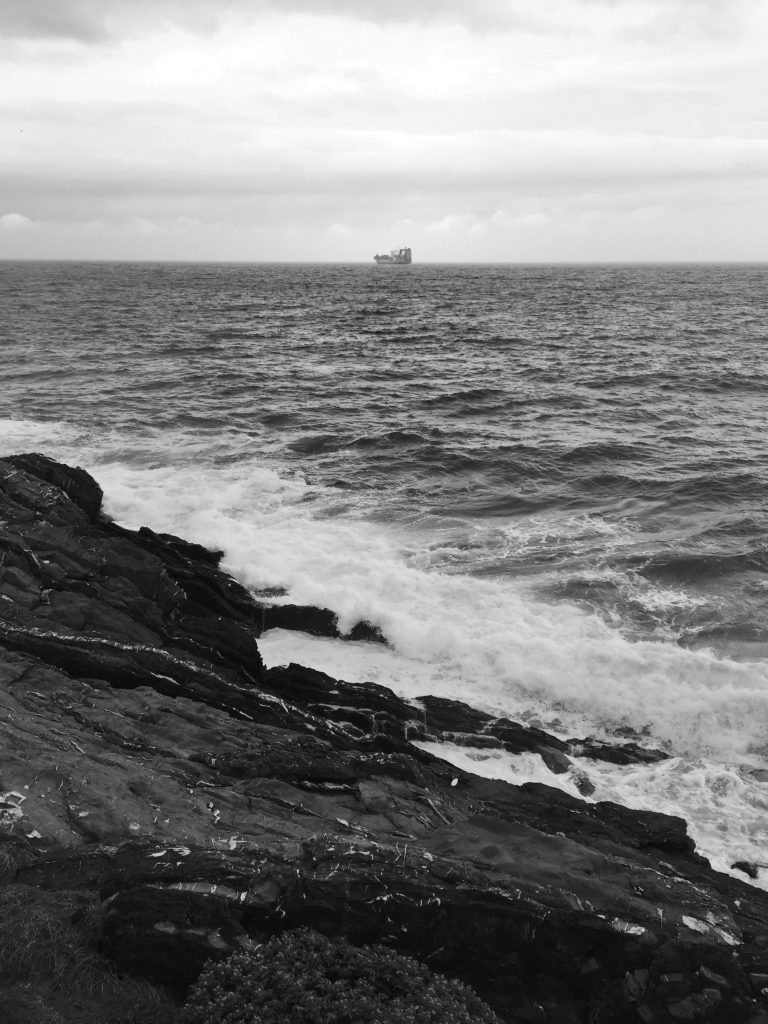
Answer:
(149, 759)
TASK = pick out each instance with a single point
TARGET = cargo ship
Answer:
(396, 256)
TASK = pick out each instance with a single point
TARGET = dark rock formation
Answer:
(749, 869)
(316, 621)
(616, 753)
(78, 485)
(147, 756)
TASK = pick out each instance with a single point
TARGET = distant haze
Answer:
(471, 130)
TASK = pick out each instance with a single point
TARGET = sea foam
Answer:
(488, 641)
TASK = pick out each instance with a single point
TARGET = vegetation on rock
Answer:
(52, 973)
(303, 977)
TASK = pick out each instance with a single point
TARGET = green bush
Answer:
(302, 977)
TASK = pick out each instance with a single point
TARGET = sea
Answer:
(546, 484)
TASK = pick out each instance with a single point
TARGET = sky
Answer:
(490, 130)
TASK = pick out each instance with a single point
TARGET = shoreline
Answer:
(150, 759)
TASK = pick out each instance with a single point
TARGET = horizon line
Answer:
(371, 262)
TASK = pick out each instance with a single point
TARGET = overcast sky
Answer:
(333, 129)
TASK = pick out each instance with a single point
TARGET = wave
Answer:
(678, 490)
(315, 444)
(18, 434)
(733, 381)
(232, 334)
(466, 396)
(280, 419)
(693, 566)
(393, 438)
(608, 451)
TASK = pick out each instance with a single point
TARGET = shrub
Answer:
(302, 977)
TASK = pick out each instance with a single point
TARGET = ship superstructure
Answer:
(395, 256)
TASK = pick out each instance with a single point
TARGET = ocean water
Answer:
(548, 485)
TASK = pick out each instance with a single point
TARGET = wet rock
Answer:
(442, 715)
(365, 630)
(304, 618)
(79, 486)
(749, 869)
(583, 783)
(269, 592)
(615, 753)
(372, 708)
(315, 621)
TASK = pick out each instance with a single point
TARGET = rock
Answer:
(452, 716)
(365, 630)
(458, 722)
(315, 621)
(749, 869)
(616, 753)
(582, 781)
(148, 758)
(269, 592)
(305, 618)
(78, 485)
(365, 706)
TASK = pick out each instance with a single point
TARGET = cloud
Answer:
(67, 19)
(278, 161)
(91, 21)
(99, 20)
(145, 226)
(14, 222)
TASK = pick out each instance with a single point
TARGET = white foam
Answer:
(18, 436)
(198, 502)
(488, 642)
(485, 543)
(483, 640)
(498, 764)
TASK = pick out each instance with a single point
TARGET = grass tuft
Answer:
(52, 973)
(39, 936)
(8, 860)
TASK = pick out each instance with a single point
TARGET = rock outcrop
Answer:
(148, 756)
